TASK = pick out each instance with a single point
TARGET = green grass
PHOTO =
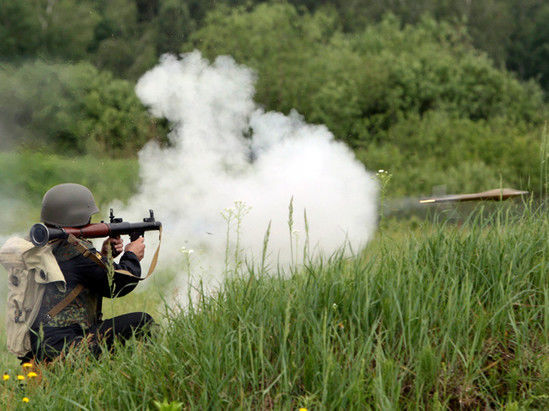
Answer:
(27, 175)
(441, 316)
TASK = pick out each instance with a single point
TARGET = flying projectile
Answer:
(498, 194)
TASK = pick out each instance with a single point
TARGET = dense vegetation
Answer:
(442, 317)
(415, 99)
(408, 91)
(126, 36)
(75, 108)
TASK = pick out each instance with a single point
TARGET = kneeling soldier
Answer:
(72, 205)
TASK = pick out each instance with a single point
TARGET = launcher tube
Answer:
(40, 234)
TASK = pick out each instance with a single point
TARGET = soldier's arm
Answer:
(96, 278)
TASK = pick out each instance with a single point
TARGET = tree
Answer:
(414, 97)
(174, 24)
(18, 27)
(529, 47)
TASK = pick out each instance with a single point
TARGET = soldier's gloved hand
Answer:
(137, 247)
(116, 244)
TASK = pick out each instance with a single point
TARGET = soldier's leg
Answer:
(123, 327)
(52, 341)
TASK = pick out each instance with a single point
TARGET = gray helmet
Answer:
(68, 205)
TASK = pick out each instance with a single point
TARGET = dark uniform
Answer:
(81, 319)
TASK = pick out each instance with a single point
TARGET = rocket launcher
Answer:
(41, 234)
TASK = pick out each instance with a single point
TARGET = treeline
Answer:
(410, 91)
(127, 36)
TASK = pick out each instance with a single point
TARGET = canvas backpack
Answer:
(29, 269)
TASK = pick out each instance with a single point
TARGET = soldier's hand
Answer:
(116, 244)
(137, 247)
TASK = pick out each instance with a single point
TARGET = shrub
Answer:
(459, 153)
(73, 109)
(361, 84)
(415, 99)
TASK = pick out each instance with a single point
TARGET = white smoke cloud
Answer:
(225, 148)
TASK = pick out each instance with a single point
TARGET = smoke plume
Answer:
(226, 149)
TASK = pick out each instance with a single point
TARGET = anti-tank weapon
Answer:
(41, 234)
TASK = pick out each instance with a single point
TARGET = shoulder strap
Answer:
(69, 298)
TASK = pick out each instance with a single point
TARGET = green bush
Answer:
(361, 84)
(62, 28)
(417, 100)
(461, 154)
(73, 109)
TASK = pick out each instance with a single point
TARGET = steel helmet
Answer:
(68, 205)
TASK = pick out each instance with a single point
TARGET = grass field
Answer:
(26, 176)
(440, 316)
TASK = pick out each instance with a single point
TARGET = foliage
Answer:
(460, 154)
(17, 28)
(374, 79)
(174, 26)
(123, 44)
(62, 28)
(512, 32)
(528, 52)
(127, 36)
(442, 317)
(416, 100)
(362, 84)
(73, 109)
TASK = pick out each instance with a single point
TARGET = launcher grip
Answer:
(134, 235)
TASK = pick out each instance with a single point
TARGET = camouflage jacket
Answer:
(85, 309)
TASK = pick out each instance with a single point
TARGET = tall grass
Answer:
(441, 317)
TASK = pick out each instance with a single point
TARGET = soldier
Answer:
(72, 205)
